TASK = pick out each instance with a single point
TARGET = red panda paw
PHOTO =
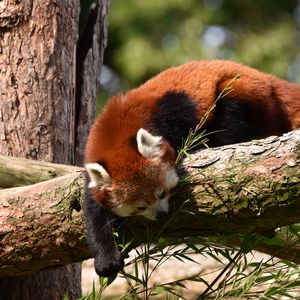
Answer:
(109, 266)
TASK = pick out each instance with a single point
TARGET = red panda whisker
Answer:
(110, 222)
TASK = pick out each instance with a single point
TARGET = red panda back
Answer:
(114, 130)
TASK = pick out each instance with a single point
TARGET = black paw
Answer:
(109, 266)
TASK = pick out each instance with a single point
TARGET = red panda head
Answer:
(142, 185)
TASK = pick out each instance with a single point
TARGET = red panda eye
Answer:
(141, 208)
(162, 195)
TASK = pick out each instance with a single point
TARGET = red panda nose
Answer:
(160, 214)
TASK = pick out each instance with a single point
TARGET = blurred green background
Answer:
(147, 36)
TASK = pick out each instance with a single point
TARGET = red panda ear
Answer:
(98, 175)
(148, 144)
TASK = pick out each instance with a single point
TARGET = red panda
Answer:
(132, 146)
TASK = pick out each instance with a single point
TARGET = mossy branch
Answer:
(245, 188)
(19, 171)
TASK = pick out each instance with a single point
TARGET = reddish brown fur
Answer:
(110, 137)
(136, 172)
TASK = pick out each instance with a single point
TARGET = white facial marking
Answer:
(124, 210)
(148, 144)
(171, 179)
(149, 214)
(98, 175)
(162, 205)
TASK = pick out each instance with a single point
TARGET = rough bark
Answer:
(246, 188)
(37, 79)
(41, 225)
(256, 177)
(90, 53)
(39, 106)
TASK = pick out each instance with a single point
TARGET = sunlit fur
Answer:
(114, 138)
(146, 191)
(132, 146)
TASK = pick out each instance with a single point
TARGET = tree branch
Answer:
(19, 171)
(41, 225)
(246, 188)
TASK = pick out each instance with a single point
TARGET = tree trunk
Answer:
(40, 105)
(247, 188)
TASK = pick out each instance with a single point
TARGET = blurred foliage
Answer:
(147, 36)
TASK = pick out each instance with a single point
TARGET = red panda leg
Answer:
(99, 225)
